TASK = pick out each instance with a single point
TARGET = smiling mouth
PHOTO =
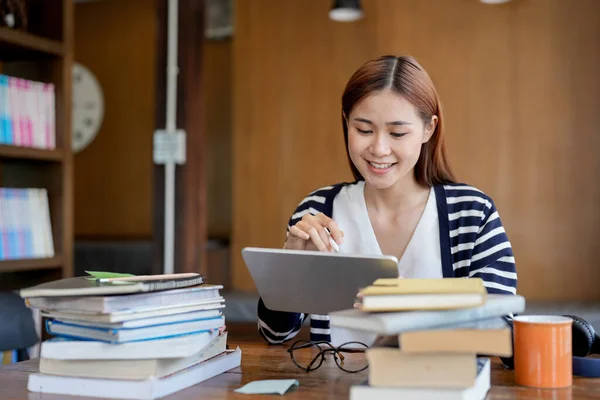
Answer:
(381, 166)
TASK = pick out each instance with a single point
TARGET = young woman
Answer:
(405, 201)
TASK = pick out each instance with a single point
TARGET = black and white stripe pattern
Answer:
(479, 247)
(478, 243)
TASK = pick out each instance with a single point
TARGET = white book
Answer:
(138, 313)
(146, 322)
(46, 223)
(51, 115)
(128, 335)
(132, 369)
(91, 297)
(393, 323)
(476, 392)
(62, 348)
(15, 112)
(37, 228)
(129, 389)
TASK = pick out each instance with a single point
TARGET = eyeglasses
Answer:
(349, 357)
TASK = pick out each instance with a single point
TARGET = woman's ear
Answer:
(430, 128)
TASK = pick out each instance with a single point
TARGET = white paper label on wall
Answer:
(169, 147)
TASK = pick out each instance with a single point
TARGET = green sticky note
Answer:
(269, 386)
(104, 275)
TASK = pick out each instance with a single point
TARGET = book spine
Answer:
(3, 223)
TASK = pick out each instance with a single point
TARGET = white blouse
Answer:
(422, 257)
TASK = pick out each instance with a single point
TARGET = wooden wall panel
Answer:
(113, 176)
(218, 124)
(520, 94)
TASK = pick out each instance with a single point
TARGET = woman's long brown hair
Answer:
(404, 76)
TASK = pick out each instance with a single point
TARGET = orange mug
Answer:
(543, 353)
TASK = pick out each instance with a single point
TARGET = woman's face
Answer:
(385, 135)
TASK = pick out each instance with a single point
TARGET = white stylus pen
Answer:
(332, 242)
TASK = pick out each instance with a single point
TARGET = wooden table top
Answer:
(261, 361)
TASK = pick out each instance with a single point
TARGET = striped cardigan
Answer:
(473, 243)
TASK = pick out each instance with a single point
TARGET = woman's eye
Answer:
(364, 132)
(397, 135)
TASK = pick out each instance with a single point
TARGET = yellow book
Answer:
(422, 294)
(490, 337)
(442, 285)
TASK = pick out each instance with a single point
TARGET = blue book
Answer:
(123, 335)
(3, 98)
(6, 130)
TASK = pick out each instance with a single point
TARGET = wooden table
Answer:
(261, 361)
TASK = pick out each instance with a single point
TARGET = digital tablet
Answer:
(311, 281)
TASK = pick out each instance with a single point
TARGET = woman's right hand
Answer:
(309, 233)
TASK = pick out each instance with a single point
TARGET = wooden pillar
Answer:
(190, 178)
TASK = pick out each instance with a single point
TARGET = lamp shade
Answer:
(346, 10)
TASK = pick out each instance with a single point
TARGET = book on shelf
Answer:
(27, 113)
(25, 227)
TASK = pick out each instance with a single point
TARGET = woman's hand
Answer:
(309, 233)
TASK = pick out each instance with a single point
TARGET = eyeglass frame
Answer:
(322, 352)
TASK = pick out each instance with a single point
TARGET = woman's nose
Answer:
(380, 146)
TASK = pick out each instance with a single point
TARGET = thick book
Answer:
(86, 286)
(132, 369)
(391, 367)
(490, 337)
(421, 294)
(147, 389)
(478, 391)
(138, 301)
(122, 335)
(393, 323)
(64, 348)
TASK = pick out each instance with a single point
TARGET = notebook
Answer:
(84, 286)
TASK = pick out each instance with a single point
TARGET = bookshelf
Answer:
(42, 53)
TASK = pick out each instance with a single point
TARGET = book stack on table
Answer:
(435, 337)
(130, 337)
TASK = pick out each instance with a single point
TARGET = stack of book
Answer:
(27, 113)
(25, 228)
(436, 337)
(130, 338)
